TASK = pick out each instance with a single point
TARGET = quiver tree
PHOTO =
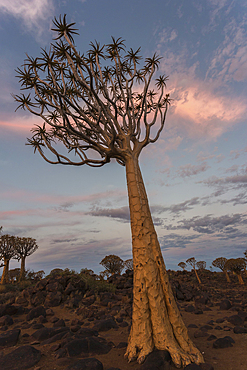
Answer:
(182, 265)
(192, 262)
(220, 263)
(128, 264)
(6, 253)
(100, 112)
(112, 264)
(24, 247)
(236, 265)
(201, 265)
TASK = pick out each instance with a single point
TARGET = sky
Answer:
(195, 174)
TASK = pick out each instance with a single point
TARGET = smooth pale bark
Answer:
(5, 275)
(197, 276)
(156, 320)
(22, 271)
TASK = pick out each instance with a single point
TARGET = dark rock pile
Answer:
(96, 312)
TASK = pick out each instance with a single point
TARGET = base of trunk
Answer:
(156, 320)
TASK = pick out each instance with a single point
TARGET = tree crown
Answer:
(91, 107)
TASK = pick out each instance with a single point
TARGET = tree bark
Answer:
(156, 320)
(22, 271)
(227, 277)
(5, 275)
(240, 279)
(197, 276)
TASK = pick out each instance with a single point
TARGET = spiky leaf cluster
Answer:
(89, 103)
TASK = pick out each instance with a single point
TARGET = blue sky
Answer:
(196, 173)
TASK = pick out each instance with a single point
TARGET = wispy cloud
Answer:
(210, 225)
(32, 13)
(189, 170)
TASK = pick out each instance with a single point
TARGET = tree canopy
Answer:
(88, 106)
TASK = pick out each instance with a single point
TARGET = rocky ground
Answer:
(63, 323)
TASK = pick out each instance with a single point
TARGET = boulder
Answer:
(6, 320)
(157, 360)
(36, 312)
(21, 358)
(104, 325)
(225, 304)
(223, 342)
(9, 338)
(86, 364)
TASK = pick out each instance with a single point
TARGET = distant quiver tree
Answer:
(236, 265)
(201, 265)
(24, 247)
(192, 262)
(113, 264)
(100, 112)
(6, 253)
(220, 263)
(182, 265)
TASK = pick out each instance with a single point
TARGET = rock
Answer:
(122, 345)
(36, 312)
(53, 300)
(46, 333)
(9, 338)
(98, 346)
(219, 321)
(211, 337)
(86, 364)
(54, 287)
(57, 337)
(104, 325)
(87, 332)
(157, 360)
(202, 299)
(206, 327)
(200, 333)
(206, 366)
(8, 309)
(76, 347)
(239, 330)
(235, 320)
(193, 367)
(189, 308)
(69, 289)
(38, 298)
(6, 320)
(21, 358)
(223, 342)
(192, 326)
(225, 304)
(58, 324)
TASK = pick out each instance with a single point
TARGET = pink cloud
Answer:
(21, 124)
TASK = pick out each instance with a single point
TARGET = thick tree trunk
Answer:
(156, 320)
(5, 275)
(22, 271)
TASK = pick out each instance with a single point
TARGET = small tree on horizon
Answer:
(182, 265)
(192, 262)
(100, 112)
(24, 247)
(112, 264)
(220, 263)
(201, 265)
(6, 253)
